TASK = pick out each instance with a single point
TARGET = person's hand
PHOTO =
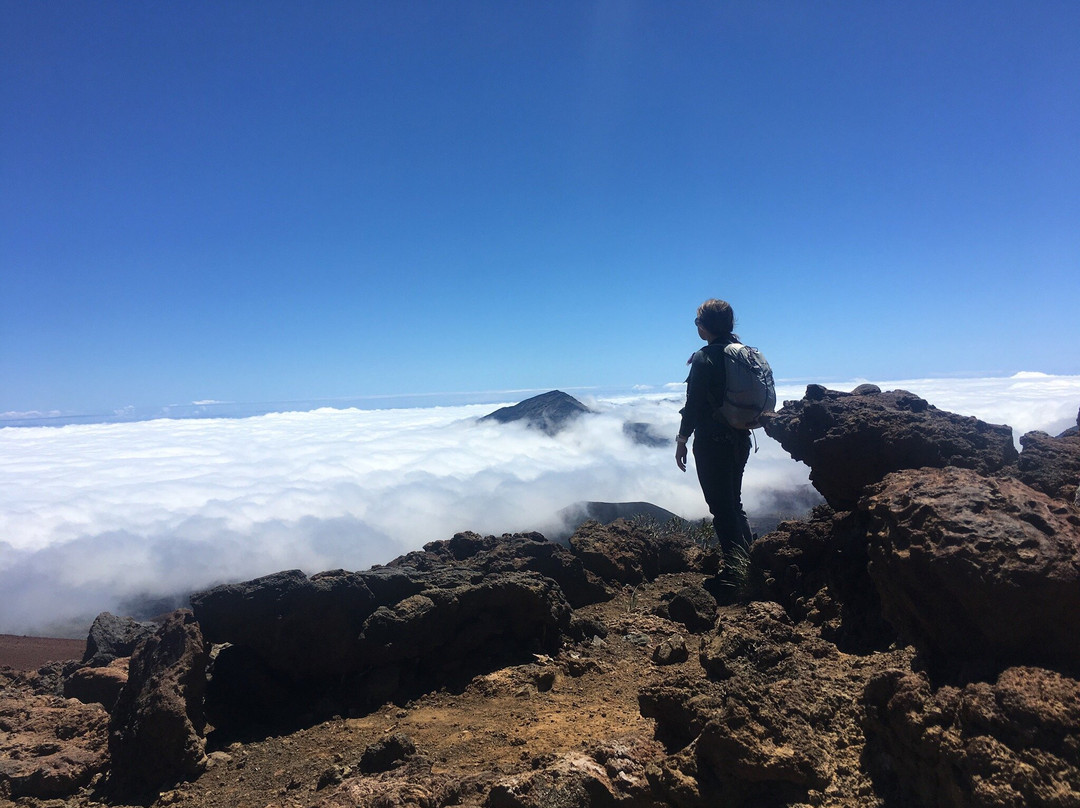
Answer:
(680, 455)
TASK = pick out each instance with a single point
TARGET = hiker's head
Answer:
(715, 317)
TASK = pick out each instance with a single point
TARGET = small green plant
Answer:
(736, 576)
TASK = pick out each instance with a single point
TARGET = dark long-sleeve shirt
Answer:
(707, 373)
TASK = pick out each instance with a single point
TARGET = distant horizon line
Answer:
(198, 408)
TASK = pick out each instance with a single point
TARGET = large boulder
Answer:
(850, 441)
(816, 569)
(294, 622)
(1013, 742)
(156, 732)
(112, 637)
(1051, 465)
(977, 571)
(436, 627)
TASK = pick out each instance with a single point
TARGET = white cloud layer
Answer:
(95, 515)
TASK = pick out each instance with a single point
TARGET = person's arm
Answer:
(694, 390)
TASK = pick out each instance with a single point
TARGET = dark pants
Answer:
(720, 462)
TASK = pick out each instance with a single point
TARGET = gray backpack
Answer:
(750, 390)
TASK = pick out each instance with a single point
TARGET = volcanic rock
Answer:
(549, 412)
(1051, 465)
(49, 746)
(113, 637)
(817, 570)
(694, 607)
(101, 685)
(850, 441)
(290, 620)
(156, 731)
(618, 552)
(778, 721)
(975, 570)
(1012, 742)
(519, 552)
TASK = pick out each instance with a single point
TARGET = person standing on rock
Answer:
(720, 450)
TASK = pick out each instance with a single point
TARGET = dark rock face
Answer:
(300, 623)
(817, 570)
(156, 731)
(694, 607)
(1051, 465)
(851, 441)
(549, 412)
(977, 569)
(1012, 742)
(113, 637)
(435, 625)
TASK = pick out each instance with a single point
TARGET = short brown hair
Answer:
(716, 317)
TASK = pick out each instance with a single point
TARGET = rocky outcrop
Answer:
(612, 773)
(49, 746)
(519, 552)
(1051, 465)
(549, 412)
(113, 637)
(817, 570)
(98, 685)
(426, 628)
(975, 570)
(778, 721)
(156, 730)
(851, 441)
(1015, 741)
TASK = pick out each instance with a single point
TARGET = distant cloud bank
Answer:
(98, 516)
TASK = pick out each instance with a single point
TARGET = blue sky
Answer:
(253, 201)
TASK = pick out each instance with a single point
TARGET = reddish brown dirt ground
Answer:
(30, 653)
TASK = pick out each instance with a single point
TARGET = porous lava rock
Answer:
(549, 412)
(112, 637)
(694, 607)
(778, 720)
(49, 746)
(620, 552)
(1013, 742)
(850, 441)
(156, 730)
(1051, 465)
(612, 773)
(977, 571)
(292, 621)
(516, 552)
(816, 568)
(436, 625)
(101, 685)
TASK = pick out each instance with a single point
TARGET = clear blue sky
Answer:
(252, 201)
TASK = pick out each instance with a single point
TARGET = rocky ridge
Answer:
(912, 643)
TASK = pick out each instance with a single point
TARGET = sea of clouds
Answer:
(112, 516)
